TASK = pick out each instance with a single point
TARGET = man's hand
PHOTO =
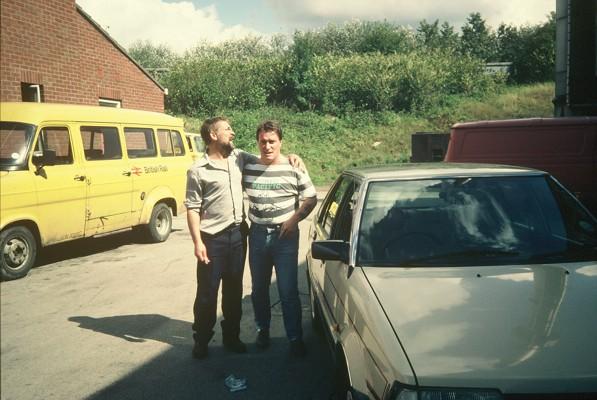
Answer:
(297, 162)
(201, 252)
(194, 223)
(288, 228)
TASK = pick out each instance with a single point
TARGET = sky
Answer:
(182, 24)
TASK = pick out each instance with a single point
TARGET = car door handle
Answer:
(79, 177)
(126, 173)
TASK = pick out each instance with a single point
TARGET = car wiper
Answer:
(460, 254)
(556, 255)
(409, 264)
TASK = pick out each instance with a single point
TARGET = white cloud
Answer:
(179, 25)
(408, 12)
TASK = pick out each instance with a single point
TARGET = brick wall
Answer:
(50, 43)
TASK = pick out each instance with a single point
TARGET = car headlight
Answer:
(400, 392)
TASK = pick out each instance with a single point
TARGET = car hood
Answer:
(515, 328)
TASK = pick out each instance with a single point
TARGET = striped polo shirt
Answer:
(274, 191)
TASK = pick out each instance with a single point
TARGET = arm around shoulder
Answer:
(247, 157)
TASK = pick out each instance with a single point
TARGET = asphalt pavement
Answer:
(110, 318)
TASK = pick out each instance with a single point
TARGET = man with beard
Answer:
(215, 216)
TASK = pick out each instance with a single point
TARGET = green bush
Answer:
(531, 49)
(204, 84)
(417, 81)
(242, 74)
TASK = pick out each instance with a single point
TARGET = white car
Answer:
(456, 281)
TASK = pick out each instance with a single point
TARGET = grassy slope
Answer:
(329, 144)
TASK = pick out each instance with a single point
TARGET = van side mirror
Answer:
(332, 250)
(47, 157)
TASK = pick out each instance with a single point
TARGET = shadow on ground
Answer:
(88, 246)
(271, 374)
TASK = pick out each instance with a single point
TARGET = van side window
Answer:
(177, 143)
(170, 143)
(56, 139)
(101, 143)
(198, 143)
(139, 142)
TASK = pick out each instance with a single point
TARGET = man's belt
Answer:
(232, 226)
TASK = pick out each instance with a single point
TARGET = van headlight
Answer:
(400, 392)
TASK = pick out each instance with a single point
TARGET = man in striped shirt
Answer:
(215, 215)
(274, 189)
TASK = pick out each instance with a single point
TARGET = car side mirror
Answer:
(330, 250)
(47, 157)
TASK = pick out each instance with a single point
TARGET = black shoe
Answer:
(230, 338)
(199, 350)
(262, 341)
(297, 348)
(235, 345)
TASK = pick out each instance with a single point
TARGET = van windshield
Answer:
(15, 141)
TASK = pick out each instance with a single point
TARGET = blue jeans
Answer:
(267, 250)
(226, 252)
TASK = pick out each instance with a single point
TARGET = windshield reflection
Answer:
(473, 221)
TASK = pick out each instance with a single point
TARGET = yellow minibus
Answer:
(69, 171)
(195, 143)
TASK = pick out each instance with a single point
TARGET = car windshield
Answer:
(15, 140)
(473, 221)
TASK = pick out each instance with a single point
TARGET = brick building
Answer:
(52, 51)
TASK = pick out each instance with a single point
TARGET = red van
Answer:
(564, 147)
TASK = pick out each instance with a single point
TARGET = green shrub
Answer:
(243, 74)
(417, 81)
(204, 84)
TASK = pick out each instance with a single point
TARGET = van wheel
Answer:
(18, 249)
(160, 223)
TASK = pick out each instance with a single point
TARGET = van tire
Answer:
(18, 250)
(160, 223)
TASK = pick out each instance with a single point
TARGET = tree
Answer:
(536, 61)
(448, 36)
(477, 39)
(245, 48)
(428, 34)
(531, 49)
(156, 59)
(382, 37)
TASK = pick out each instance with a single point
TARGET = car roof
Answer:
(527, 122)
(437, 170)
(37, 113)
